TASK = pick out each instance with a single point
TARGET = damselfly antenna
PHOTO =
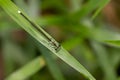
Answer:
(53, 43)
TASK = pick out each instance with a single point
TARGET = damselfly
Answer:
(54, 44)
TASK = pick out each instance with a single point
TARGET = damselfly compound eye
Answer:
(19, 11)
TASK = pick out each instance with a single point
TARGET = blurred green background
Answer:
(93, 40)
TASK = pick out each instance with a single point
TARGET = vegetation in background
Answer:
(80, 28)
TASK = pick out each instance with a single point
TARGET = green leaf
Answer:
(104, 61)
(103, 3)
(12, 10)
(113, 42)
(86, 9)
(50, 61)
(27, 70)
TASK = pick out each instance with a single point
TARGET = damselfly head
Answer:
(19, 11)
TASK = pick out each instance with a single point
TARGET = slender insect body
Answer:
(52, 43)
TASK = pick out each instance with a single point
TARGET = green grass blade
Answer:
(110, 38)
(53, 67)
(86, 9)
(89, 7)
(50, 61)
(103, 3)
(115, 43)
(12, 10)
(104, 61)
(27, 70)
